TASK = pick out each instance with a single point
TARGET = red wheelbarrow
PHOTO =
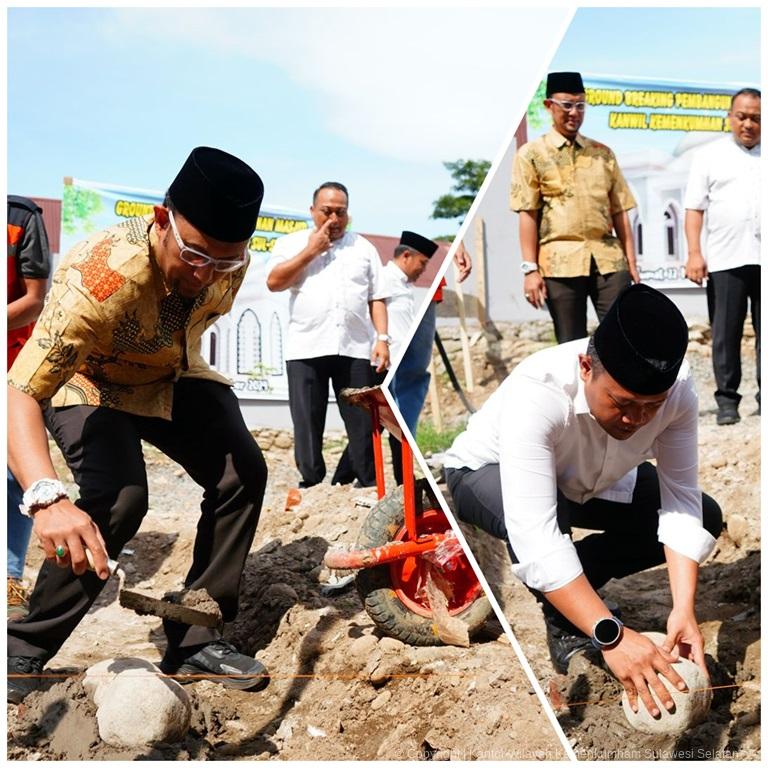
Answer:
(405, 543)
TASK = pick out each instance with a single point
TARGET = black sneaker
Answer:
(24, 676)
(564, 640)
(217, 661)
(728, 414)
(564, 645)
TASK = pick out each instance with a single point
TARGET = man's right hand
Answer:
(637, 663)
(64, 524)
(320, 239)
(696, 268)
(535, 290)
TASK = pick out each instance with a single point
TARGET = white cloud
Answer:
(412, 84)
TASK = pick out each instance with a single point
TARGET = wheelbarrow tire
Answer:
(374, 585)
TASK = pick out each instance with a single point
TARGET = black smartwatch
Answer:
(606, 633)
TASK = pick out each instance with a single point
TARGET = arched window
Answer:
(671, 232)
(248, 342)
(275, 345)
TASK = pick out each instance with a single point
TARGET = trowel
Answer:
(171, 606)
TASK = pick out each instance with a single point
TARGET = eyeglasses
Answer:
(199, 259)
(568, 106)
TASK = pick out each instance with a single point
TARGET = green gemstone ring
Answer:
(61, 550)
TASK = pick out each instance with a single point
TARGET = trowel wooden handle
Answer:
(111, 564)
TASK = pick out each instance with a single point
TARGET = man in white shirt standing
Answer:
(724, 184)
(411, 257)
(334, 277)
(565, 441)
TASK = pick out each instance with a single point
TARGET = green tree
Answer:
(468, 176)
(537, 113)
(77, 207)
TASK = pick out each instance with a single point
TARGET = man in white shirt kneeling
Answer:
(565, 441)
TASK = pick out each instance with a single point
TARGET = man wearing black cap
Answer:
(337, 303)
(565, 441)
(411, 257)
(115, 359)
(571, 197)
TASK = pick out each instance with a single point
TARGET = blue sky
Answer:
(376, 98)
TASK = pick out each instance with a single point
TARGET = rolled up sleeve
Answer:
(680, 516)
(531, 420)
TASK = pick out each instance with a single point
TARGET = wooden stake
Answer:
(480, 271)
(468, 378)
(434, 397)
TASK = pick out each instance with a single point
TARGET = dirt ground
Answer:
(587, 701)
(339, 689)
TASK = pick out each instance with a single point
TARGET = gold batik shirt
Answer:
(577, 187)
(112, 334)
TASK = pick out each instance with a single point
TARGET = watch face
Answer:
(607, 631)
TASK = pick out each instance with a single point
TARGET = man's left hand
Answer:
(684, 638)
(380, 356)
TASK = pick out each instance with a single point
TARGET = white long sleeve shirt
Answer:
(538, 428)
(724, 181)
(401, 308)
(328, 306)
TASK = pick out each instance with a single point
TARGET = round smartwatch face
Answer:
(607, 631)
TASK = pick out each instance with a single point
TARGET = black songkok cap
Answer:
(218, 194)
(418, 243)
(564, 82)
(642, 339)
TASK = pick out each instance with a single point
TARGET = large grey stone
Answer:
(690, 708)
(138, 708)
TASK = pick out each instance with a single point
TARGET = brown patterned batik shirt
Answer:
(112, 334)
(576, 187)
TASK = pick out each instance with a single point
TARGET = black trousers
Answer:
(627, 542)
(729, 291)
(308, 400)
(567, 300)
(102, 446)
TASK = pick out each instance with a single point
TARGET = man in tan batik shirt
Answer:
(115, 360)
(575, 236)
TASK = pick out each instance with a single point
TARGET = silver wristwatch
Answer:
(606, 633)
(526, 267)
(385, 337)
(41, 494)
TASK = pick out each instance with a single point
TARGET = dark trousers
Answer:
(728, 293)
(626, 542)
(308, 400)
(102, 446)
(567, 300)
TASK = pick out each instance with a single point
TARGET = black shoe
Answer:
(217, 661)
(728, 414)
(564, 640)
(24, 676)
(564, 645)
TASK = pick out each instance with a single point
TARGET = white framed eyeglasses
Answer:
(197, 258)
(569, 106)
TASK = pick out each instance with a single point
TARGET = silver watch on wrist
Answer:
(606, 633)
(526, 267)
(385, 337)
(41, 494)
